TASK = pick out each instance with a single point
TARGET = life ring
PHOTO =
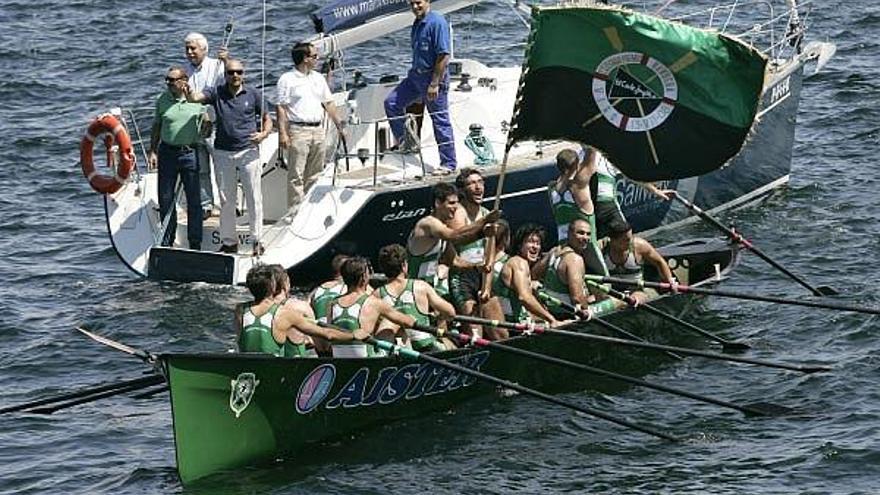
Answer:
(115, 135)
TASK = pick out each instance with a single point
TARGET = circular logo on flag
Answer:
(633, 91)
(315, 388)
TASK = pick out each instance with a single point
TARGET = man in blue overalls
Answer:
(427, 80)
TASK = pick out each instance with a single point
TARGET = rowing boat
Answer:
(235, 409)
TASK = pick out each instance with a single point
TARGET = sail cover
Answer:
(661, 99)
(344, 14)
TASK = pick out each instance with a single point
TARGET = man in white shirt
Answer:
(204, 72)
(303, 98)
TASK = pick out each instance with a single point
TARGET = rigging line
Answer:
(513, 5)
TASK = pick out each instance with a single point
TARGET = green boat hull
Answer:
(237, 409)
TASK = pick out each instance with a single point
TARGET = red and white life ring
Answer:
(115, 135)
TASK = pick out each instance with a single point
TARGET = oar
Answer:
(143, 355)
(583, 316)
(728, 346)
(822, 290)
(409, 353)
(665, 287)
(85, 395)
(755, 409)
(542, 329)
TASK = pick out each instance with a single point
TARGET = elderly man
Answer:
(176, 125)
(303, 98)
(239, 109)
(203, 72)
(427, 80)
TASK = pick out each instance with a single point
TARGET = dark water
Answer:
(65, 61)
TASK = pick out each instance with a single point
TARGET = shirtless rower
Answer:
(412, 297)
(625, 254)
(267, 323)
(512, 298)
(428, 243)
(359, 308)
(324, 294)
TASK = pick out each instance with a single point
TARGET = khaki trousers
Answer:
(305, 160)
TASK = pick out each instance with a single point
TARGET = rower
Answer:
(562, 269)
(359, 309)
(324, 294)
(274, 325)
(428, 243)
(512, 299)
(465, 279)
(412, 297)
(625, 254)
(571, 197)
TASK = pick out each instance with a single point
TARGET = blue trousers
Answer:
(207, 190)
(414, 88)
(180, 162)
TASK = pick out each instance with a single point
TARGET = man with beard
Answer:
(465, 281)
(428, 244)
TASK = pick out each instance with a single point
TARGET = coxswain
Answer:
(324, 294)
(413, 297)
(428, 246)
(359, 308)
(625, 255)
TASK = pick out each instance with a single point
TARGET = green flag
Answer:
(661, 99)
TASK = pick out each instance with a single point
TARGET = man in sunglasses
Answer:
(203, 72)
(242, 123)
(303, 98)
(176, 125)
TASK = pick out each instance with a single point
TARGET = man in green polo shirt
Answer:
(176, 126)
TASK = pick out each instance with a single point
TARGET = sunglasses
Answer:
(313, 55)
(235, 72)
(172, 80)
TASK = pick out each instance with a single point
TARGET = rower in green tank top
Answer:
(412, 297)
(276, 323)
(267, 284)
(360, 310)
(323, 295)
(512, 297)
(428, 247)
(256, 332)
(562, 269)
(466, 276)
